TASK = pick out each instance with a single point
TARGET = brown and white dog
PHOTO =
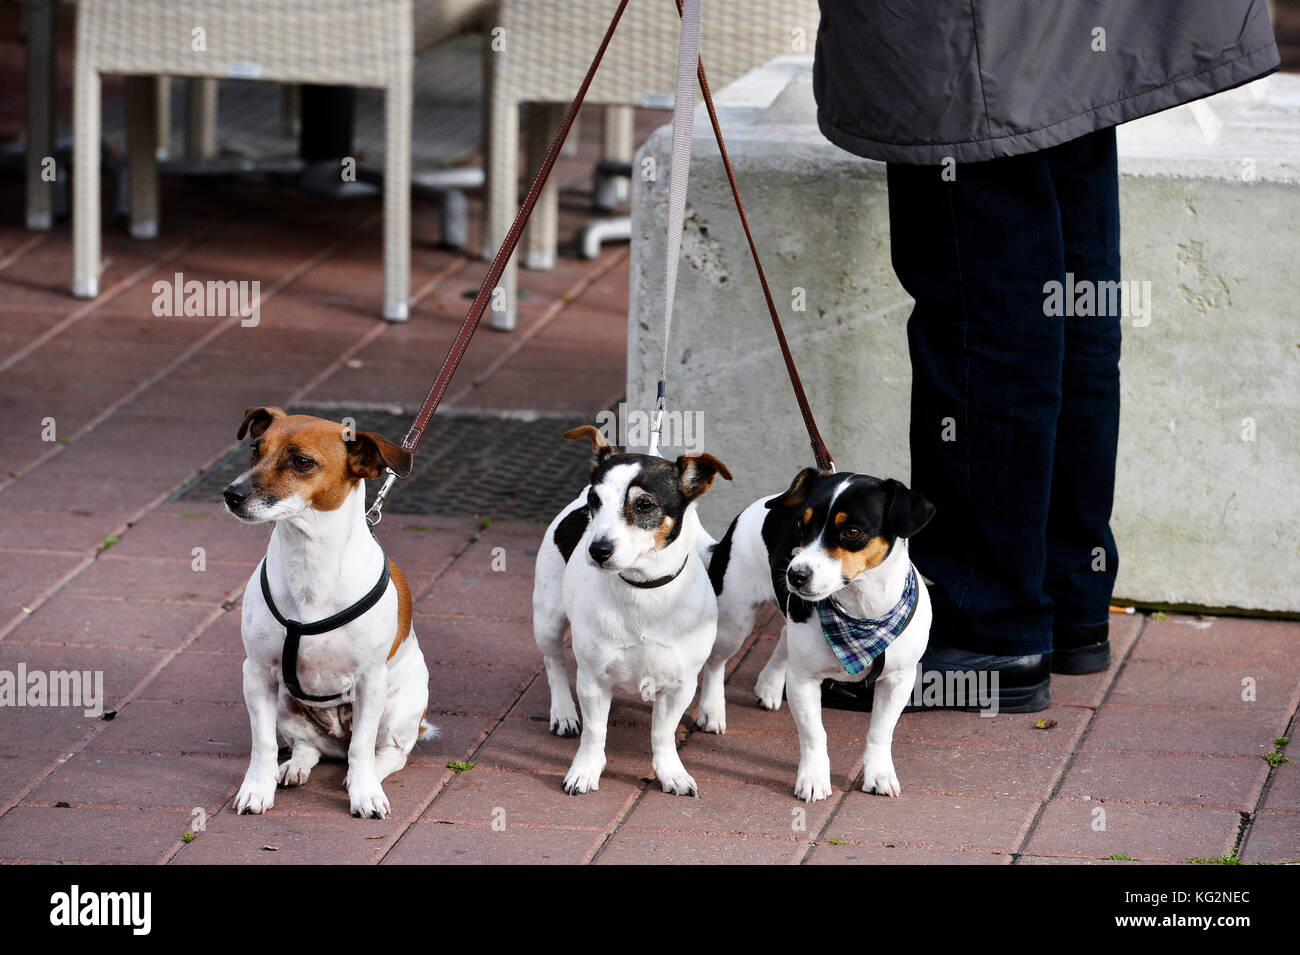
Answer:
(355, 687)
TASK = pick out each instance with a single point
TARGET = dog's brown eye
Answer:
(645, 505)
(851, 533)
(301, 463)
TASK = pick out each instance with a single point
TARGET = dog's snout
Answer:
(236, 493)
(601, 550)
(798, 576)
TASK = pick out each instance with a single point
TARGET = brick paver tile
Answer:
(1284, 788)
(1147, 833)
(1229, 782)
(89, 835)
(141, 779)
(957, 822)
(435, 843)
(432, 549)
(193, 676)
(156, 727)
(110, 674)
(489, 594)
(458, 737)
(1179, 729)
(631, 846)
(970, 770)
(485, 690)
(471, 641)
(20, 768)
(222, 635)
(731, 807)
(173, 532)
(1210, 686)
(1220, 640)
(161, 579)
(1004, 729)
(230, 839)
(1273, 837)
(827, 853)
(26, 575)
(51, 530)
(510, 545)
(481, 796)
(132, 622)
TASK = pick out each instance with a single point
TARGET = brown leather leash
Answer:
(475, 314)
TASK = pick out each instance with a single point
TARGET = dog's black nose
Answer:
(235, 494)
(798, 576)
(601, 550)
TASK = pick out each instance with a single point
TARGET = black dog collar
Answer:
(658, 581)
(293, 630)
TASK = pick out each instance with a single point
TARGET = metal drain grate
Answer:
(504, 467)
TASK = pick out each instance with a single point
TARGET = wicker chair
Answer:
(548, 47)
(340, 42)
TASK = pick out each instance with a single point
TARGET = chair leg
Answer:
(41, 39)
(201, 121)
(85, 201)
(397, 196)
(142, 154)
(619, 145)
(164, 117)
(502, 134)
(543, 122)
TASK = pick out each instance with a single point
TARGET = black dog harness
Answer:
(294, 630)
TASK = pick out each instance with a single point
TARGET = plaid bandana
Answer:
(858, 642)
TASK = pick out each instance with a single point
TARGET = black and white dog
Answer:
(626, 565)
(832, 552)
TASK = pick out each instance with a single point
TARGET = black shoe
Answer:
(1080, 649)
(1024, 684)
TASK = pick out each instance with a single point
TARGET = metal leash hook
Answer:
(376, 512)
(657, 427)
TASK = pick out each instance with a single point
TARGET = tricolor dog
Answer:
(622, 564)
(832, 552)
(332, 661)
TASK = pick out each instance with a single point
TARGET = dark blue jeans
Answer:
(1015, 406)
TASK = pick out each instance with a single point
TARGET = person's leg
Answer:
(1081, 554)
(975, 253)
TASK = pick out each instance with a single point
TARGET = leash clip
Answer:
(376, 512)
(658, 422)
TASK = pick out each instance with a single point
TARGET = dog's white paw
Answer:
(583, 777)
(564, 723)
(879, 778)
(649, 689)
(676, 781)
(712, 721)
(812, 786)
(367, 800)
(769, 692)
(255, 796)
(291, 773)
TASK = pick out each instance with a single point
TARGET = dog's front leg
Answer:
(670, 705)
(804, 693)
(771, 681)
(365, 794)
(589, 762)
(891, 693)
(257, 794)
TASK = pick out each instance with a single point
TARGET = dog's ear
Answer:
(256, 421)
(697, 472)
(600, 448)
(369, 454)
(906, 512)
(797, 492)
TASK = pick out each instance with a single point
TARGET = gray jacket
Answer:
(917, 81)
